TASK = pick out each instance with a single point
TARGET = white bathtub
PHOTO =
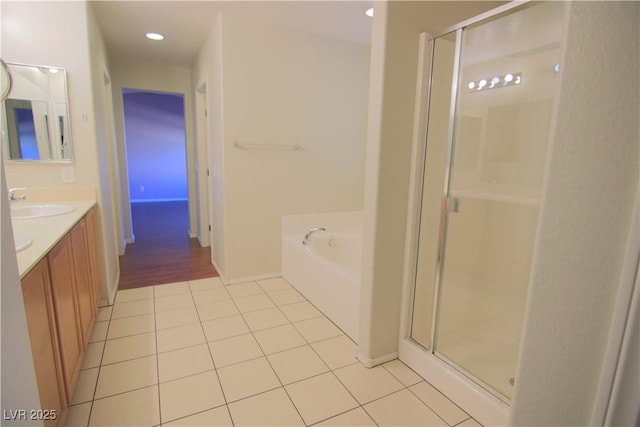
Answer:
(326, 270)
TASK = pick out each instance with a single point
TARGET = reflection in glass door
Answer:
(488, 213)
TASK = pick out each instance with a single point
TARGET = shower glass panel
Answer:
(506, 84)
(433, 184)
(483, 171)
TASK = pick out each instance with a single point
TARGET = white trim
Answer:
(111, 298)
(123, 247)
(620, 321)
(215, 265)
(418, 152)
(472, 398)
(175, 199)
(624, 404)
(252, 278)
(493, 13)
(370, 363)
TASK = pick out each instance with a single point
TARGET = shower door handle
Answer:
(453, 204)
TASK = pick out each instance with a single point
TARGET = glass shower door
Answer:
(435, 162)
(506, 85)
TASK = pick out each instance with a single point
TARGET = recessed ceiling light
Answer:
(155, 36)
(369, 12)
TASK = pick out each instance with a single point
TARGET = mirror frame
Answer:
(5, 80)
(62, 126)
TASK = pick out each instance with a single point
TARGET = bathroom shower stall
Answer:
(489, 88)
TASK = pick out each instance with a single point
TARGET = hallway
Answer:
(163, 252)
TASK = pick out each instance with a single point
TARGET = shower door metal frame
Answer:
(458, 29)
(445, 201)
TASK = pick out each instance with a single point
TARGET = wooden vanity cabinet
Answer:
(84, 289)
(94, 262)
(63, 285)
(41, 321)
(60, 296)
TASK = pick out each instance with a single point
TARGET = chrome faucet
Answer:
(308, 235)
(12, 194)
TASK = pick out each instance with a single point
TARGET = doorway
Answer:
(155, 140)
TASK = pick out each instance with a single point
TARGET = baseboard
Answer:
(131, 240)
(252, 278)
(202, 243)
(370, 363)
(470, 397)
(111, 298)
(158, 200)
(192, 235)
(220, 273)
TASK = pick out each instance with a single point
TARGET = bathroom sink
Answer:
(40, 211)
(22, 242)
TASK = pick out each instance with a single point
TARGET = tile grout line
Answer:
(431, 385)
(393, 376)
(426, 404)
(330, 370)
(122, 392)
(466, 419)
(360, 405)
(267, 358)
(104, 348)
(259, 346)
(309, 344)
(155, 333)
(213, 362)
(252, 333)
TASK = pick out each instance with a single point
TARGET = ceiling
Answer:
(186, 24)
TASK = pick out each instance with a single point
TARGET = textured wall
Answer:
(590, 189)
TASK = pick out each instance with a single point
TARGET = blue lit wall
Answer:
(155, 140)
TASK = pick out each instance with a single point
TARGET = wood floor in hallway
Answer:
(163, 251)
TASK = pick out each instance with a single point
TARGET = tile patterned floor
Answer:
(200, 353)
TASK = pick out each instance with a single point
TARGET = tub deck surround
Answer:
(47, 231)
(326, 270)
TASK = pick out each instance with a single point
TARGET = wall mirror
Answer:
(35, 115)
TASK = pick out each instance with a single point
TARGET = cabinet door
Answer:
(36, 291)
(63, 287)
(94, 264)
(84, 293)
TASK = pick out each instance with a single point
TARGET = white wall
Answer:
(590, 189)
(130, 74)
(19, 389)
(284, 86)
(207, 70)
(592, 180)
(57, 34)
(31, 35)
(394, 61)
(108, 195)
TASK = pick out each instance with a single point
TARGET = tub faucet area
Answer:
(13, 197)
(308, 235)
(327, 267)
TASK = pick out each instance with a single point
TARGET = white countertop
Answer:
(45, 232)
